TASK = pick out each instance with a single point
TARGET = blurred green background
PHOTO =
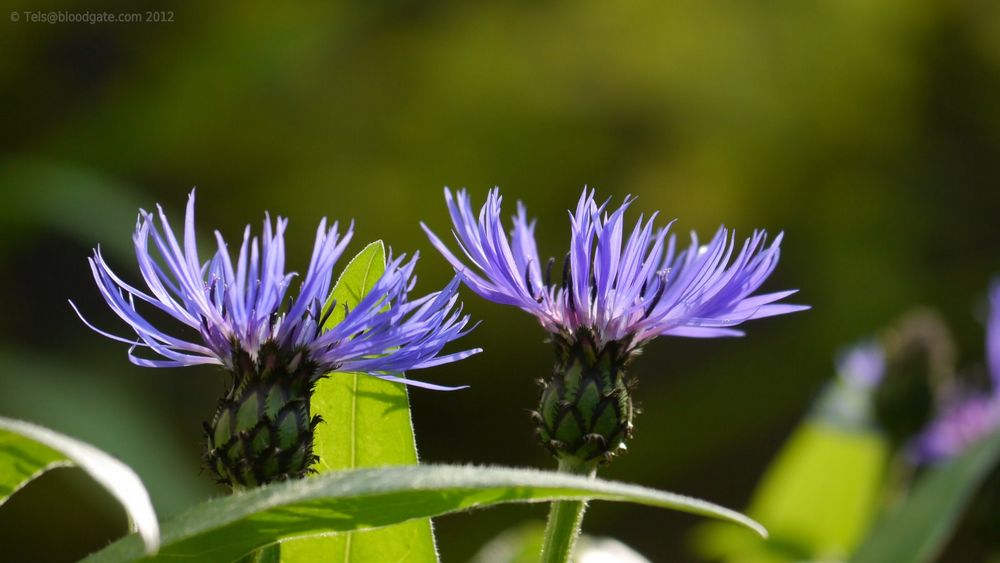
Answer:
(868, 131)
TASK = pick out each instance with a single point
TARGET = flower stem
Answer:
(565, 520)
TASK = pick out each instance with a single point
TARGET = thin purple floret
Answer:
(224, 305)
(635, 285)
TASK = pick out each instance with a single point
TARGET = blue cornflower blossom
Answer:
(967, 415)
(237, 308)
(617, 293)
(633, 293)
(236, 315)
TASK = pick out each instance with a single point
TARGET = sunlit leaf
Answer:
(367, 425)
(820, 493)
(227, 528)
(22, 460)
(28, 450)
(92, 408)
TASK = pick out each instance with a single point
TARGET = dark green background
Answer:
(867, 131)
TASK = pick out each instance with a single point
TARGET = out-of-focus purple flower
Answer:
(971, 415)
(863, 365)
(232, 306)
(619, 286)
(957, 427)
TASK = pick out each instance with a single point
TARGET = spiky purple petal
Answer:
(224, 305)
(635, 286)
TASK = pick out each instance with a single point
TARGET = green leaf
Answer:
(357, 279)
(23, 460)
(227, 528)
(819, 494)
(28, 450)
(367, 425)
(92, 409)
(916, 530)
(822, 491)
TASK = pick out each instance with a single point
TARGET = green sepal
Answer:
(262, 430)
(585, 411)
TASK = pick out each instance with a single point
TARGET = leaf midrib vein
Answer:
(354, 405)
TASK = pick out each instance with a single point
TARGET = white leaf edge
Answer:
(116, 477)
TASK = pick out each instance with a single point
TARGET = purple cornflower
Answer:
(617, 293)
(237, 308)
(236, 315)
(632, 292)
(970, 415)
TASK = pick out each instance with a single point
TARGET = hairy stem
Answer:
(565, 520)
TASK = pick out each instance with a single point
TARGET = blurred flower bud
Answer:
(919, 362)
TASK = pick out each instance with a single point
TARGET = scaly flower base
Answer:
(262, 430)
(585, 413)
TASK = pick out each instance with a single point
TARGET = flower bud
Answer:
(262, 430)
(585, 412)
